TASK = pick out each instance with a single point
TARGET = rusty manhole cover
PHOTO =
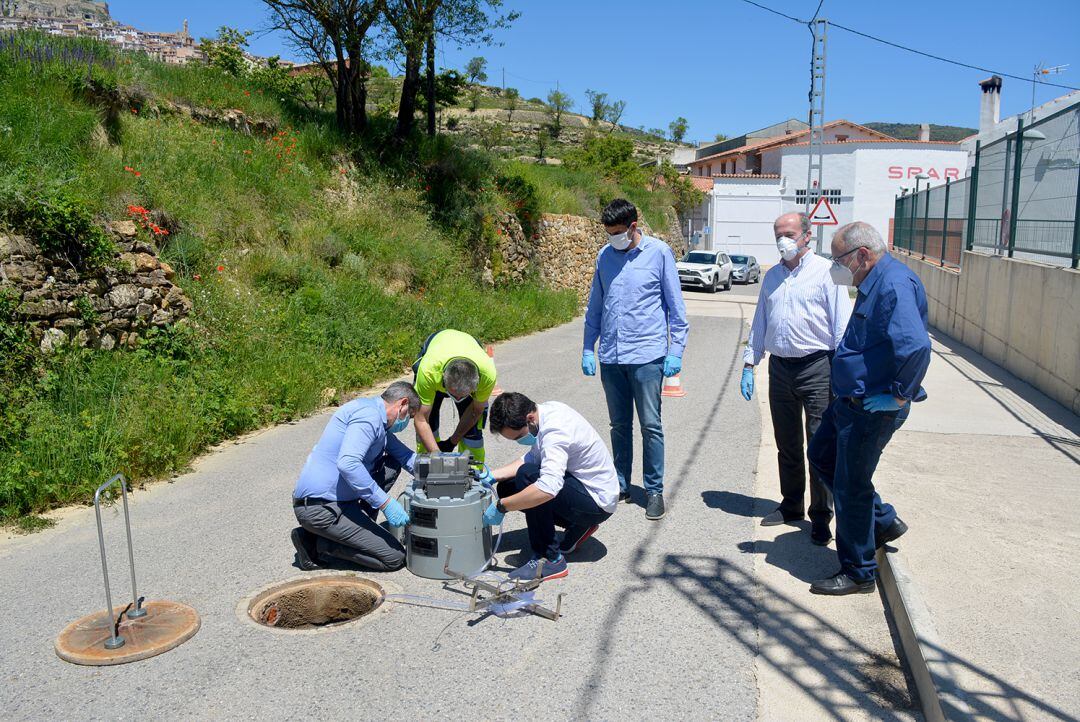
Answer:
(165, 626)
(314, 603)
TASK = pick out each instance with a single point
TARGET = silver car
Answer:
(745, 269)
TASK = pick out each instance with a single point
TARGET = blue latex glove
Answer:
(672, 366)
(747, 384)
(880, 402)
(486, 477)
(395, 514)
(588, 363)
(492, 516)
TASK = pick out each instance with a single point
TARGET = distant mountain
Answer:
(910, 131)
(59, 9)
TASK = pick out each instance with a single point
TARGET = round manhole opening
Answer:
(315, 603)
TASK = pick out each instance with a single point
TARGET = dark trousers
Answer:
(347, 530)
(573, 506)
(798, 396)
(845, 452)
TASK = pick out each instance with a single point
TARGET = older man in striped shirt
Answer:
(800, 318)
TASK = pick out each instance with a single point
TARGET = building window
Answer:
(841, 138)
(831, 194)
(708, 170)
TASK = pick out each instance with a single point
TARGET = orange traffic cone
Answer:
(673, 387)
(491, 354)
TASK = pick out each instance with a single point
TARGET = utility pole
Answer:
(504, 80)
(814, 187)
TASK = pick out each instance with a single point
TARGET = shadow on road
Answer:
(737, 504)
(794, 553)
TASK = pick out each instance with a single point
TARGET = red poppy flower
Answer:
(197, 277)
(220, 268)
(137, 174)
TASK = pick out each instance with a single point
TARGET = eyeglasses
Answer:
(848, 253)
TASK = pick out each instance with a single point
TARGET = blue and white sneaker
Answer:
(531, 570)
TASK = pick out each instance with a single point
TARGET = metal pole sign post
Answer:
(925, 224)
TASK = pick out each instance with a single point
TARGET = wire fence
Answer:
(1022, 199)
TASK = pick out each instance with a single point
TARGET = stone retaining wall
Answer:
(102, 308)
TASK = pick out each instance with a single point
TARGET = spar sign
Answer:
(823, 214)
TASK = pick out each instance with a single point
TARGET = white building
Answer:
(863, 171)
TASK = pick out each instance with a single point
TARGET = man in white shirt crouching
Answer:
(567, 477)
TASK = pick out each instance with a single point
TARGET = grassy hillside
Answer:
(910, 131)
(316, 264)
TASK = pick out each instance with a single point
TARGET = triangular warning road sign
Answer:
(823, 214)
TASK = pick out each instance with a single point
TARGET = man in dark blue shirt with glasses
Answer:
(877, 372)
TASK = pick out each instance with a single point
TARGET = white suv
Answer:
(705, 269)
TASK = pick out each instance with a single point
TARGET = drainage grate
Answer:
(315, 603)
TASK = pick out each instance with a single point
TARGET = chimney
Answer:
(924, 132)
(990, 107)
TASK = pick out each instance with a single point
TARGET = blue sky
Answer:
(729, 67)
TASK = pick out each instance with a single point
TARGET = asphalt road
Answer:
(660, 617)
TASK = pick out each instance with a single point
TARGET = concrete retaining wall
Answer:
(1022, 315)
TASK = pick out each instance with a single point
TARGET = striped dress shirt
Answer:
(798, 312)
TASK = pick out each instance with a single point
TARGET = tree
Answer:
(558, 103)
(599, 104)
(720, 137)
(615, 113)
(658, 132)
(542, 139)
(276, 78)
(678, 128)
(512, 99)
(415, 23)
(474, 70)
(226, 51)
(474, 99)
(331, 33)
(448, 86)
(491, 134)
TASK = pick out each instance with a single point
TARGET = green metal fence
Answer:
(1021, 199)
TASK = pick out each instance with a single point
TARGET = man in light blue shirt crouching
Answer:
(345, 481)
(637, 314)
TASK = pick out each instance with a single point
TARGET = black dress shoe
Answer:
(624, 497)
(307, 557)
(894, 532)
(820, 535)
(841, 584)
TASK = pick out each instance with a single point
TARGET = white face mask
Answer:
(619, 241)
(841, 274)
(788, 247)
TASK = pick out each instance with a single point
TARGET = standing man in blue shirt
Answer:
(877, 373)
(800, 318)
(345, 481)
(636, 312)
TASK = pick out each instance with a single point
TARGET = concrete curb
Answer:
(940, 697)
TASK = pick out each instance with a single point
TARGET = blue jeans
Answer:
(626, 386)
(573, 506)
(844, 452)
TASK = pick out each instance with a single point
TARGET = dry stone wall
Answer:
(562, 255)
(102, 308)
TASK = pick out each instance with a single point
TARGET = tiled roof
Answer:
(786, 140)
(701, 182)
(880, 140)
(754, 176)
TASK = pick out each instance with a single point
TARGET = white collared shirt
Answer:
(798, 312)
(568, 444)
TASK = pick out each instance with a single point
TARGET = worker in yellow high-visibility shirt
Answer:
(453, 364)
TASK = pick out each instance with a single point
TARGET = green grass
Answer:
(314, 293)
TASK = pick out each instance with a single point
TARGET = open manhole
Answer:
(315, 603)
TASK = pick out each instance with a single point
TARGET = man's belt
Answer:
(808, 358)
(312, 501)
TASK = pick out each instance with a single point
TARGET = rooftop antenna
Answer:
(1036, 78)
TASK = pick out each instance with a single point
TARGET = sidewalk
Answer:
(986, 472)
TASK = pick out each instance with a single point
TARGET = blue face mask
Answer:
(529, 439)
(398, 426)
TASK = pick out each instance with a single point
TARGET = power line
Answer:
(913, 50)
(530, 80)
